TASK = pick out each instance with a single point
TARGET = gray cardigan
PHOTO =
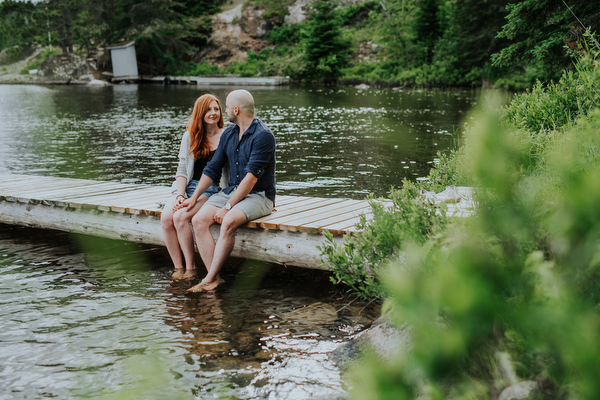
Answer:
(185, 168)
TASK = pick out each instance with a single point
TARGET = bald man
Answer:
(248, 147)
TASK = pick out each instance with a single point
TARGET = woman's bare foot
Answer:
(206, 286)
(190, 273)
(178, 274)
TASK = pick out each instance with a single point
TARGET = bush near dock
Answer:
(521, 278)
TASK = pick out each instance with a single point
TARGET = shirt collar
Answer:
(252, 128)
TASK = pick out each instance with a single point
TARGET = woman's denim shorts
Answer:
(191, 188)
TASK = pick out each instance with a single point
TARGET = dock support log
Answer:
(276, 246)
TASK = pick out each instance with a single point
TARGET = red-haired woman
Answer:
(198, 144)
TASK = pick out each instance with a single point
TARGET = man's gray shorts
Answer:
(255, 205)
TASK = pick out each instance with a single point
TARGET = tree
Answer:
(470, 39)
(539, 31)
(326, 51)
(428, 28)
(396, 31)
(18, 24)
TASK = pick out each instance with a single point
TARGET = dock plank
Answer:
(326, 210)
(62, 190)
(313, 222)
(342, 227)
(272, 221)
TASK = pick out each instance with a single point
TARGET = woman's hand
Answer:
(179, 200)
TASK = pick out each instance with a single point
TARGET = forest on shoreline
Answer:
(427, 43)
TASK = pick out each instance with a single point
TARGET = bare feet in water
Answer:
(190, 274)
(206, 286)
(178, 274)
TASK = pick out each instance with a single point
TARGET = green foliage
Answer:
(326, 51)
(277, 9)
(39, 60)
(286, 34)
(553, 106)
(19, 24)
(521, 277)
(538, 30)
(196, 69)
(254, 65)
(462, 54)
(428, 27)
(407, 217)
(358, 14)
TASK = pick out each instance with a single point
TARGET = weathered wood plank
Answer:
(342, 227)
(285, 209)
(325, 216)
(272, 221)
(60, 191)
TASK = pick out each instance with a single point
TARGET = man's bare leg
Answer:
(221, 250)
(201, 223)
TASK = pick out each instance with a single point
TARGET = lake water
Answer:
(85, 317)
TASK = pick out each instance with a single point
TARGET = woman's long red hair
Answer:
(199, 146)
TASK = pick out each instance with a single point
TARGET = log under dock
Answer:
(288, 236)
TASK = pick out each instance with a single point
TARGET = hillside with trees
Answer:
(427, 43)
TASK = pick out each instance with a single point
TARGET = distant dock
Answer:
(208, 80)
(288, 236)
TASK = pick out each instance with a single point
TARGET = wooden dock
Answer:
(288, 236)
(212, 80)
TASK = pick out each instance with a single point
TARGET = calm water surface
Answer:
(84, 317)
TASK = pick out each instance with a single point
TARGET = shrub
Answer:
(522, 276)
(407, 217)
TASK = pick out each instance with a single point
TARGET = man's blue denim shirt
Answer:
(255, 153)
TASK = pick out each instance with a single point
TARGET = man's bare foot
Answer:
(178, 274)
(190, 273)
(206, 286)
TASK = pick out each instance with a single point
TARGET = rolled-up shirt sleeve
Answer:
(215, 166)
(263, 149)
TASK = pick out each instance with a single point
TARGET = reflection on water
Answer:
(340, 142)
(84, 317)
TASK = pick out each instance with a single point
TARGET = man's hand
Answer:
(189, 203)
(218, 217)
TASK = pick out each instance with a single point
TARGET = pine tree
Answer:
(326, 51)
(539, 31)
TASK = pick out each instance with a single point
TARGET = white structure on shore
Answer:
(124, 61)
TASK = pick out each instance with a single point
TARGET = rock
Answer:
(86, 78)
(64, 68)
(313, 314)
(362, 86)
(227, 17)
(505, 374)
(385, 339)
(521, 390)
(241, 30)
(297, 11)
(97, 82)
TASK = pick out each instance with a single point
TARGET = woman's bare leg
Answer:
(181, 220)
(170, 235)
